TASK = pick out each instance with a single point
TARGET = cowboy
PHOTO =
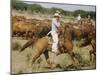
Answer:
(55, 31)
(79, 18)
(89, 19)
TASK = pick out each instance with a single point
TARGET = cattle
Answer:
(24, 27)
(89, 34)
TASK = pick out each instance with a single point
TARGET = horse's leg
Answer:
(35, 57)
(70, 52)
(93, 44)
(91, 52)
(46, 54)
(72, 55)
(91, 58)
(94, 56)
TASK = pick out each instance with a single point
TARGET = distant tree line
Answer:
(20, 5)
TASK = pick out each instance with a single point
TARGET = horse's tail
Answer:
(27, 44)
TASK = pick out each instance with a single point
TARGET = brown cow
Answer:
(89, 34)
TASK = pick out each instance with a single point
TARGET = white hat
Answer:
(57, 11)
(56, 14)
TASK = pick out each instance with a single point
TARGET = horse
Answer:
(42, 45)
(67, 44)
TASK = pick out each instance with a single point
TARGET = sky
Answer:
(69, 7)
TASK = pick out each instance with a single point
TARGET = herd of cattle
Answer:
(26, 28)
(30, 28)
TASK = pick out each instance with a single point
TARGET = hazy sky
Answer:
(69, 7)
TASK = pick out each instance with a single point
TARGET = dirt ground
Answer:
(21, 60)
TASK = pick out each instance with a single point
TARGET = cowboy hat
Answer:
(57, 14)
(57, 11)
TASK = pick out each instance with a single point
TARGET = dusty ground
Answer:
(21, 61)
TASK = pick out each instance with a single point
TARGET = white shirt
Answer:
(55, 24)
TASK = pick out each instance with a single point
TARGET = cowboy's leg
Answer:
(55, 41)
